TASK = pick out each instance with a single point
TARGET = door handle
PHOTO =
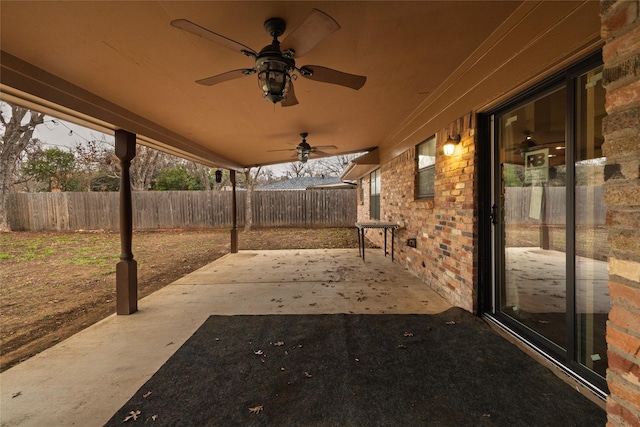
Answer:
(493, 216)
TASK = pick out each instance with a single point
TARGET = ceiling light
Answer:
(303, 156)
(273, 66)
(274, 75)
(304, 150)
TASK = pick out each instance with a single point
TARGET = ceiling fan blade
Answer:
(329, 75)
(316, 27)
(282, 149)
(324, 147)
(229, 75)
(290, 98)
(196, 29)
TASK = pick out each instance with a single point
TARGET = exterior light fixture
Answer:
(450, 145)
(218, 176)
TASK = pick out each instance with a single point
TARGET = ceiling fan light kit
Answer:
(275, 67)
(303, 149)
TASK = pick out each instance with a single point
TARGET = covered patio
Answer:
(438, 74)
(87, 378)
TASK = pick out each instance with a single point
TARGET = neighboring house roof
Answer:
(337, 186)
(301, 183)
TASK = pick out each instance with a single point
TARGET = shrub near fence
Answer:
(180, 209)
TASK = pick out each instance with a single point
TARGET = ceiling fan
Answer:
(274, 66)
(304, 150)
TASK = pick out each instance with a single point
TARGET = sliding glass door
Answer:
(549, 240)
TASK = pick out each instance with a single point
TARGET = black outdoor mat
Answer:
(449, 369)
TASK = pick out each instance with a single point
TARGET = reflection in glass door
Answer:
(549, 237)
(591, 244)
(533, 176)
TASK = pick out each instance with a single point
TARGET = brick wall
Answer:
(444, 226)
(363, 212)
(621, 55)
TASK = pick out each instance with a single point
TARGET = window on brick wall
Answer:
(426, 168)
(374, 198)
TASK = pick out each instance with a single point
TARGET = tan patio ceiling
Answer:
(122, 65)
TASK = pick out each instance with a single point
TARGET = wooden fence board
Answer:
(180, 209)
(212, 209)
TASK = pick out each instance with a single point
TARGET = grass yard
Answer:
(56, 284)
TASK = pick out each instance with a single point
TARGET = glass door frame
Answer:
(490, 224)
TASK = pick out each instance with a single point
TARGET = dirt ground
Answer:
(55, 284)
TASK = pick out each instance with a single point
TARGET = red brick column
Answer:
(621, 128)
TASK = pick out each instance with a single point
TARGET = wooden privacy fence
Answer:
(590, 206)
(180, 209)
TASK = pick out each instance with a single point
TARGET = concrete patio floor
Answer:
(85, 379)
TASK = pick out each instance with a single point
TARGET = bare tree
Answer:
(334, 165)
(93, 159)
(22, 181)
(298, 169)
(267, 176)
(16, 138)
(145, 166)
(251, 179)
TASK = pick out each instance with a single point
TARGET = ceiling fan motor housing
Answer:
(275, 27)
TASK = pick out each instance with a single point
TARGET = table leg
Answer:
(362, 244)
(385, 242)
(392, 234)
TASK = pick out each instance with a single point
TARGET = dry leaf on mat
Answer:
(278, 343)
(408, 334)
(451, 323)
(259, 352)
(133, 415)
(256, 409)
(308, 375)
(147, 394)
